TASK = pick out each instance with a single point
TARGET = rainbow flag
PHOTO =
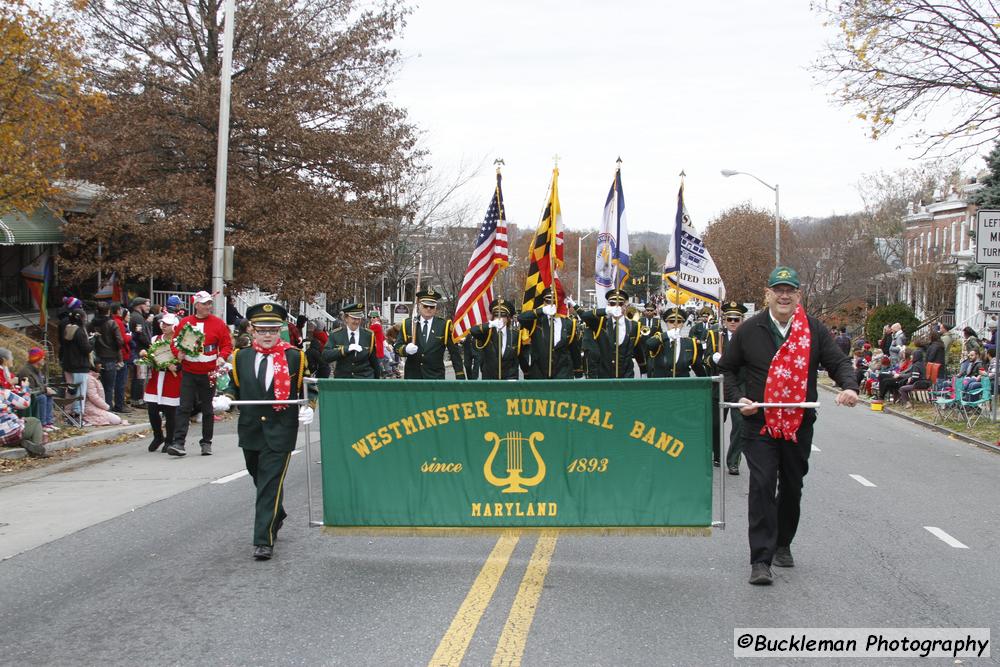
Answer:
(37, 277)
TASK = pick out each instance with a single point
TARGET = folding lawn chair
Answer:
(947, 403)
(972, 407)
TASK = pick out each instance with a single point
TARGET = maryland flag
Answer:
(546, 254)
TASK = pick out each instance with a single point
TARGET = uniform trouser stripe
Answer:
(277, 499)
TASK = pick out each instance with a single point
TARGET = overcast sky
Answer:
(665, 85)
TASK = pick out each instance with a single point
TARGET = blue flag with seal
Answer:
(688, 267)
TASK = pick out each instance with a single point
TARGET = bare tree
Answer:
(896, 61)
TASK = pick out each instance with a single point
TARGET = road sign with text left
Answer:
(988, 236)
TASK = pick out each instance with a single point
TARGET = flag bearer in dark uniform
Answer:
(270, 369)
(498, 343)
(779, 351)
(699, 330)
(616, 335)
(352, 347)
(732, 318)
(554, 349)
(423, 339)
(668, 354)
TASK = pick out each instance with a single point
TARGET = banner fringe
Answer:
(460, 531)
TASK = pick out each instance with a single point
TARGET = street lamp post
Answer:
(579, 264)
(777, 210)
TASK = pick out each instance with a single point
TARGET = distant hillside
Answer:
(655, 242)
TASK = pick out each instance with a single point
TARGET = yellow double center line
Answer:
(510, 648)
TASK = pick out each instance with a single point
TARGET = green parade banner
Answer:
(493, 454)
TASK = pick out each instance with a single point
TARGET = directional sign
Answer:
(991, 289)
(988, 236)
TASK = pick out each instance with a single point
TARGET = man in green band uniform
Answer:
(668, 353)
(269, 370)
(552, 351)
(699, 330)
(352, 347)
(423, 340)
(498, 343)
(616, 336)
(649, 318)
(732, 317)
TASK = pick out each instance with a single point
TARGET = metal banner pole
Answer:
(771, 405)
(309, 462)
(721, 523)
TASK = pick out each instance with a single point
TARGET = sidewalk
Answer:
(887, 409)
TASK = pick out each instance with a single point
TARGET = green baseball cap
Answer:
(783, 275)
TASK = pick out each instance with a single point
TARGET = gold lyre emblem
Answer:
(514, 481)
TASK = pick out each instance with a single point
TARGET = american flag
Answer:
(489, 256)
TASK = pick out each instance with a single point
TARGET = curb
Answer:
(77, 441)
(933, 427)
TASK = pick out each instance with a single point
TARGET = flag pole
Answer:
(615, 260)
(553, 194)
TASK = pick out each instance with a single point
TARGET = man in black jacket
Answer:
(774, 517)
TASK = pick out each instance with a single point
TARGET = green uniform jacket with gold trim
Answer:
(261, 426)
(615, 359)
(352, 364)
(428, 362)
(544, 358)
(497, 363)
(660, 356)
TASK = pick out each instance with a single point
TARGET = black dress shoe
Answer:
(263, 552)
(716, 464)
(760, 574)
(783, 557)
(734, 470)
(153, 446)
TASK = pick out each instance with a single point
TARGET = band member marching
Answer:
(498, 343)
(424, 339)
(732, 317)
(273, 370)
(669, 354)
(352, 347)
(552, 351)
(616, 335)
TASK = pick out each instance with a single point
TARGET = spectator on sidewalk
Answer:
(140, 328)
(935, 357)
(124, 370)
(917, 379)
(41, 392)
(16, 431)
(7, 379)
(843, 341)
(163, 392)
(75, 346)
(898, 344)
(195, 381)
(107, 347)
(97, 412)
(972, 341)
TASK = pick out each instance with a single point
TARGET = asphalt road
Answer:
(122, 557)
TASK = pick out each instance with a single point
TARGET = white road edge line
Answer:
(229, 478)
(816, 449)
(944, 537)
(861, 480)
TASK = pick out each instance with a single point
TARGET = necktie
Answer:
(423, 330)
(352, 338)
(262, 373)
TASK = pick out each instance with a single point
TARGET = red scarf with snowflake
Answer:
(282, 380)
(787, 380)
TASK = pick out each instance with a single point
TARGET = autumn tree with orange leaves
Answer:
(42, 102)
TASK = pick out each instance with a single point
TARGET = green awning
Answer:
(42, 226)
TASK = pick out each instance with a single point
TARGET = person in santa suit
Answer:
(163, 391)
(195, 380)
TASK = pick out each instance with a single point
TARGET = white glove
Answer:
(569, 302)
(614, 311)
(221, 404)
(549, 309)
(716, 357)
(673, 334)
(305, 415)
(496, 324)
(411, 348)
(354, 347)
